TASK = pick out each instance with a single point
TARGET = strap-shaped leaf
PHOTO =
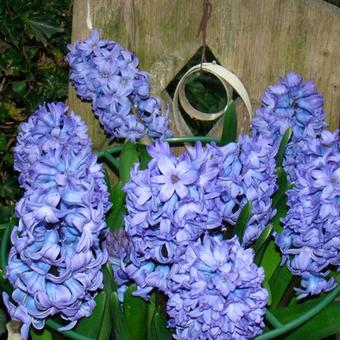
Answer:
(279, 282)
(303, 316)
(262, 242)
(282, 148)
(90, 326)
(135, 315)
(229, 133)
(109, 286)
(283, 187)
(35, 334)
(144, 156)
(128, 157)
(242, 221)
(151, 311)
(158, 329)
(119, 329)
(115, 217)
(107, 180)
(106, 325)
(270, 260)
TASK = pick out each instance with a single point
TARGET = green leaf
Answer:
(284, 141)
(282, 180)
(143, 156)
(151, 311)
(266, 285)
(41, 28)
(2, 6)
(128, 157)
(324, 324)
(118, 326)
(115, 217)
(106, 325)
(10, 187)
(13, 57)
(3, 142)
(279, 283)
(19, 88)
(3, 321)
(270, 260)
(135, 315)
(107, 180)
(262, 242)
(44, 334)
(90, 326)
(242, 221)
(158, 329)
(283, 186)
(229, 133)
(4, 114)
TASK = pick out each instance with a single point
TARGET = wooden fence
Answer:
(259, 40)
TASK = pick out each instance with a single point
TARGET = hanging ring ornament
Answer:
(188, 108)
(227, 78)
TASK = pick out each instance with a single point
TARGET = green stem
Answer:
(112, 160)
(110, 150)
(4, 243)
(303, 318)
(3, 226)
(273, 320)
(185, 139)
(70, 334)
(191, 139)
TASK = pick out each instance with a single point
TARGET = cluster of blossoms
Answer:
(290, 103)
(175, 201)
(56, 259)
(107, 74)
(310, 240)
(216, 292)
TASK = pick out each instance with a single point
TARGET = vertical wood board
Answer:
(259, 40)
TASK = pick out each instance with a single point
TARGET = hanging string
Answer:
(202, 28)
(88, 16)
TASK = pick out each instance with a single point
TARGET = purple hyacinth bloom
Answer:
(290, 103)
(173, 202)
(55, 263)
(247, 175)
(49, 129)
(215, 292)
(174, 178)
(107, 74)
(310, 240)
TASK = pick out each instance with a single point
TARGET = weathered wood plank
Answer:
(259, 40)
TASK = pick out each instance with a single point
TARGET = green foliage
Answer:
(128, 157)
(242, 221)
(115, 217)
(135, 315)
(229, 133)
(33, 39)
(282, 148)
(158, 329)
(3, 321)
